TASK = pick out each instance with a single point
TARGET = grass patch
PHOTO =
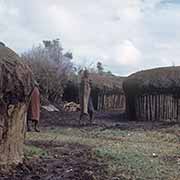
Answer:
(135, 164)
(31, 151)
(129, 154)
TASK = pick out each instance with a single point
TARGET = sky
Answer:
(125, 35)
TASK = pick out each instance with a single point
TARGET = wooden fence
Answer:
(158, 107)
(107, 102)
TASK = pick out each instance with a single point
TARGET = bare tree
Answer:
(51, 68)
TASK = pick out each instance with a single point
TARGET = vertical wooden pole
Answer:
(159, 108)
(150, 107)
(146, 104)
(177, 104)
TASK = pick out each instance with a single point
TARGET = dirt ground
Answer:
(64, 162)
(106, 120)
(72, 161)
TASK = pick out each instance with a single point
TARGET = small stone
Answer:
(56, 156)
(69, 170)
(154, 155)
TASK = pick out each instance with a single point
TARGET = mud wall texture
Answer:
(16, 84)
(12, 131)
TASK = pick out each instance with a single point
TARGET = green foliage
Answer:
(109, 73)
(31, 151)
(100, 68)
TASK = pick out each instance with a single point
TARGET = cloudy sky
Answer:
(125, 35)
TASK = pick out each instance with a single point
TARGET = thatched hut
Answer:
(107, 92)
(153, 95)
(15, 87)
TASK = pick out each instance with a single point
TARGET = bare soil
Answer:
(106, 120)
(64, 162)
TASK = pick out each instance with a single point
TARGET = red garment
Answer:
(34, 105)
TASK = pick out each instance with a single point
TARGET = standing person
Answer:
(34, 109)
(85, 99)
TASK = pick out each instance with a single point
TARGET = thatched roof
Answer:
(159, 80)
(107, 82)
(104, 83)
(15, 76)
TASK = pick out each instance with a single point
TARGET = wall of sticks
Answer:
(159, 107)
(107, 102)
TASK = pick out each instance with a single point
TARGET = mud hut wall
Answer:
(16, 84)
(12, 135)
(157, 107)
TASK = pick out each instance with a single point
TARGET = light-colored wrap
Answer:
(85, 90)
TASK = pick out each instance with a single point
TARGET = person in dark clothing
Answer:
(90, 109)
(90, 104)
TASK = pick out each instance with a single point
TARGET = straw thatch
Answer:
(107, 82)
(15, 76)
(159, 80)
(15, 86)
(153, 94)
